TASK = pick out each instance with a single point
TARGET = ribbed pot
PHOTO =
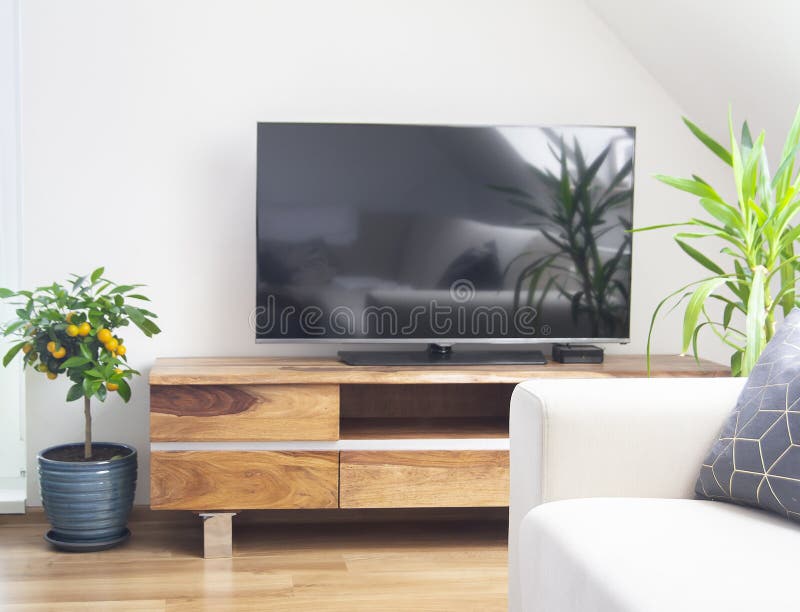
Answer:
(88, 501)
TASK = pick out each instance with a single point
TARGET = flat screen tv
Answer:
(443, 234)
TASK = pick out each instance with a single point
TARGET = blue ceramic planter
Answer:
(88, 503)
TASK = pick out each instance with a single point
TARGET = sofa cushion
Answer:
(756, 459)
(656, 555)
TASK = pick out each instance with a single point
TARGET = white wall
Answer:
(139, 130)
(12, 448)
(734, 52)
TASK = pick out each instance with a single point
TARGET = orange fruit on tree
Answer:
(117, 371)
(72, 330)
(69, 317)
(112, 386)
(121, 350)
(52, 375)
(84, 329)
(42, 368)
(104, 335)
(112, 344)
(60, 353)
(51, 347)
(27, 348)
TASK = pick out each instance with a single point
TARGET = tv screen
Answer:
(443, 233)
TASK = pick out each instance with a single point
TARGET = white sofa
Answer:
(602, 511)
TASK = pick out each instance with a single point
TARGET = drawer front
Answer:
(197, 413)
(419, 479)
(242, 480)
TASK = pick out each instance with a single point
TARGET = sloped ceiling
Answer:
(711, 53)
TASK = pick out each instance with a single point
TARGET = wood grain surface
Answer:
(369, 567)
(240, 480)
(418, 479)
(193, 413)
(280, 370)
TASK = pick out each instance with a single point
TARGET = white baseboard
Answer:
(12, 496)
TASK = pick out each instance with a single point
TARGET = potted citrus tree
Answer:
(72, 332)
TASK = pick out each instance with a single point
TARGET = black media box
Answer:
(577, 353)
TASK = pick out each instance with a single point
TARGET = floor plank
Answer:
(441, 565)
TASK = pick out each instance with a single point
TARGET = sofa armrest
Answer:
(623, 437)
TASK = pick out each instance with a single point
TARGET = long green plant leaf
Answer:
(692, 186)
(712, 144)
(754, 325)
(695, 307)
(699, 257)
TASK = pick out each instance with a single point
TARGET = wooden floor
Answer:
(336, 566)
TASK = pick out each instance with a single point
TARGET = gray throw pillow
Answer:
(756, 460)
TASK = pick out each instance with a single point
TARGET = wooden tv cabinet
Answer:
(233, 434)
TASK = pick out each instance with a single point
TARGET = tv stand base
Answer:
(438, 354)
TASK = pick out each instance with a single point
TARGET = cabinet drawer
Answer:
(196, 413)
(242, 480)
(417, 479)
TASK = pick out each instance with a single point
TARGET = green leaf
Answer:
(78, 282)
(789, 153)
(75, 392)
(747, 137)
(12, 352)
(74, 362)
(788, 281)
(150, 328)
(85, 351)
(726, 316)
(124, 391)
(760, 213)
(736, 364)
(6, 293)
(13, 327)
(738, 167)
(97, 274)
(724, 213)
(699, 257)
(692, 186)
(712, 144)
(101, 393)
(139, 296)
(655, 227)
(696, 335)
(695, 306)
(135, 314)
(654, 316)
(783, 173)
(123, 288)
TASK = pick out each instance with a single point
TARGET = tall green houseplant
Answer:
(758, 275)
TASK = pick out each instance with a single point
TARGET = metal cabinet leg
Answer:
(217, 534)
